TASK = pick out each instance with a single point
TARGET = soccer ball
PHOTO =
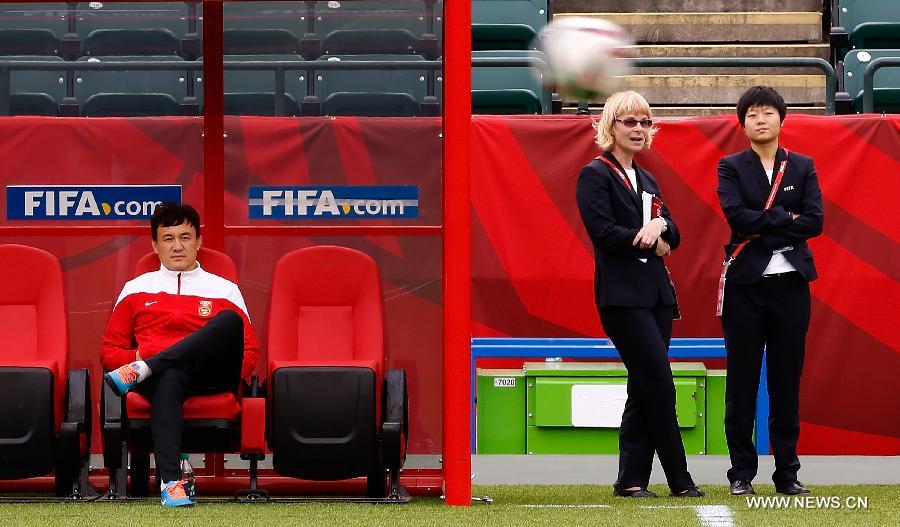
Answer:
(587, 56)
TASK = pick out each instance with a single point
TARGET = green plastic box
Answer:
(500, 411)
(715, 413)
(575, 407)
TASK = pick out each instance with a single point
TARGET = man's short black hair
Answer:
(760, 96)
(168, 214)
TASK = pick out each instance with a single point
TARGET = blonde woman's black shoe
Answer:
(639, 493)
(691, 492)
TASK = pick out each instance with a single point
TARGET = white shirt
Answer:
(632, 177)
(778, 263)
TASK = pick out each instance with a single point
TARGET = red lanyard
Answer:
(618, 172)
(771, 199)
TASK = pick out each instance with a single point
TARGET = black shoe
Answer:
(741, 487)
(639, 493)
(793, 489)
(690, 492)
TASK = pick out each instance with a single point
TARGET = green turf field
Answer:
(561, 506)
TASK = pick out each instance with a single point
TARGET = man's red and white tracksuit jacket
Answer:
(157, 309)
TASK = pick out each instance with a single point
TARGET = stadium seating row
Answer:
(40, 42)
(372, 30)
(865, 30)
(886, 85)
(59, 27)
(867, 24)
(402, 92)
(56, 29)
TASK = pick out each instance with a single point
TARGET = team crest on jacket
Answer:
(205, 308)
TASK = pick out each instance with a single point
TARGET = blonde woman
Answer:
(631, 230)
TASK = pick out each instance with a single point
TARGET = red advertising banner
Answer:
(532, 264)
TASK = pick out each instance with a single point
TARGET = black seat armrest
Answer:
(113, 426)
(395, 430)
(78, 400)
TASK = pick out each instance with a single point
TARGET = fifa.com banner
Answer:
(334, 202)
(87, 202)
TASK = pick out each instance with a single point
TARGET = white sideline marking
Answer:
(715, 515)
(556, 506)
(709, 515)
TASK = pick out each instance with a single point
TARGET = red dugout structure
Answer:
(68, 169)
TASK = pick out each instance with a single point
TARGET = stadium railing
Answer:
(710, 62)
(724, 62)
(311, 105)
(869, 80)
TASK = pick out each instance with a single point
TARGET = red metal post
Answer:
(457, 251)
(214, 128)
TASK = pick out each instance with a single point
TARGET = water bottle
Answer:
(187, 474)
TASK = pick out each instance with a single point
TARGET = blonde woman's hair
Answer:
(618, 104)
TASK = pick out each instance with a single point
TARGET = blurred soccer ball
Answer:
(586, 56)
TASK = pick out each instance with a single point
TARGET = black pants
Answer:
(641, 336)
(771, 315)
(205, 362)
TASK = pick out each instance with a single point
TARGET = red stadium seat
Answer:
(211, 260)
(212, 423)
(45, 419)
(334, 411)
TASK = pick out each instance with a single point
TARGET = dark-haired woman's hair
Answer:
(760, 96)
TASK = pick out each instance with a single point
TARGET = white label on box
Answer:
(598, 405)
(504, 382)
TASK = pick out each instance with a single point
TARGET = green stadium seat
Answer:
(507, 24)
(505, 102)
(396, 82)
(129, 105)
(253, 92)
(134, 83)
(871, 23)
(438, 28)
(263, 82)
(408, 15)
(509, 89)
(370, 42)
(28, 42)
(886, 80)
(369, 104)
(260, 42)
(50, 16)
(33, 104)
(91, 16)
(107, 42)
(33, 82)
(258, 104)
(290, 16)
